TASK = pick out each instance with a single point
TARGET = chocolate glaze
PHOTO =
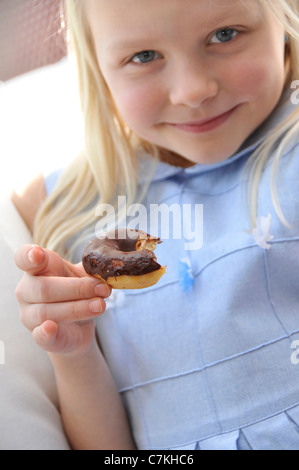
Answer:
(116, 255)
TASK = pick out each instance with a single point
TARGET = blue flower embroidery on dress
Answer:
(185, 274)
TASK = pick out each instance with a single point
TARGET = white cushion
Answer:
(29, 416)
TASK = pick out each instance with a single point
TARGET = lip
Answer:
(206, 125)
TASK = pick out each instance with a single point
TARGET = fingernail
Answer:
(49, 328)
(102, 290)
(36, 255)
(96, 306)
(31, 256)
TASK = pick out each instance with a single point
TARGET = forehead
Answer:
(114, 17)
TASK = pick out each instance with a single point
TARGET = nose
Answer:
(192, 84)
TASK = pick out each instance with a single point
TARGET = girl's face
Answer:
(196, 77)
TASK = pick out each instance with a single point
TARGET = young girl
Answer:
(188, 103)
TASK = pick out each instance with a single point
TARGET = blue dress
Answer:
(207, 358)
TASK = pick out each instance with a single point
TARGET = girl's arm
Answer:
(92, 412)
(30, 200)
(57, 304)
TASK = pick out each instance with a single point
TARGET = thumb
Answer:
(38, 261)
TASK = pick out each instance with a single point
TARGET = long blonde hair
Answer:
(107, 166)
(286, 131)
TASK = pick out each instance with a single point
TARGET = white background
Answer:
(40, 124)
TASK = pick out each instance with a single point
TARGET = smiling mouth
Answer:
(197, 127)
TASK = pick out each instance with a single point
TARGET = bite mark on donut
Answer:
(124, 259)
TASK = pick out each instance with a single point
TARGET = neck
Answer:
(174, 159)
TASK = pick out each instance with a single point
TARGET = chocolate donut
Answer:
(124, 259)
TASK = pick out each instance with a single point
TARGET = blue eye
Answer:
(224, 35)
(144, 57)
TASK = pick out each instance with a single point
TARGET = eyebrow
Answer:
(121, 44)
(251, 13)
(220, 17)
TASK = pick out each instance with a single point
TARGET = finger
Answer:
(45, 335)
(29, 257)
(60, 338)
(43, 289)
(37, 261)
(34, 315)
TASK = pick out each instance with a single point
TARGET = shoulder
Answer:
(29, 201)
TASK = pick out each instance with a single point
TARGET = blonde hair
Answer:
(107, 166)
(286, 131)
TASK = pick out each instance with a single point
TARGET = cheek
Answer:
(254, 80)
(139, 106)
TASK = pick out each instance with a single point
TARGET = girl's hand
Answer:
(58, 301)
